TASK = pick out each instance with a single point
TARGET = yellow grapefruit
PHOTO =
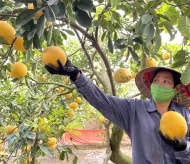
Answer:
(151, 62)
(52, 54)
(78, 100)
(70, 113)
(9, 129)
(73, 105)
(19, 44)
(51, 141)
(165, 55)
(102, 119)
(7, 32)
(38, 14)
(122, 75)
(30, 6)
(173, 124)
(18, 70)
(69, 95)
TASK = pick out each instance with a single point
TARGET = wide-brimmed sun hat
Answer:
(143, 82)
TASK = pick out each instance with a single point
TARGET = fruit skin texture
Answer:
(151, 62)
(19, 70)
(19, 44)
(11, 129)
(173, 124)
(51, 141)
(7, 31)
(122, 75)
(165, 55)
(52, 54)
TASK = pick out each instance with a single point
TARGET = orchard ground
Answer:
(87, 154)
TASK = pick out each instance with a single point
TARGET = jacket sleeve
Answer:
(115, 109)
(184, 156)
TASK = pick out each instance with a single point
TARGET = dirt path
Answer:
(85, 156)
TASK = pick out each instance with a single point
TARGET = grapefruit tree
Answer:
(103, 36)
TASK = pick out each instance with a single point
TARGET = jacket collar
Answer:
(152, 108)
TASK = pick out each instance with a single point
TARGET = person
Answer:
(140, 119)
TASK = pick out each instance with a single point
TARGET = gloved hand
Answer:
(68, 69)
(177, 144)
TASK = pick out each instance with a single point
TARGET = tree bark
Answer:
(117, 156)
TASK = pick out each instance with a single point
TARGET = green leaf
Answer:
(45, 106)
(169, 27)
(83, 19)
(134, 56)
(98, 22)
(49, 34)
(64, 35)
(148, 32)
(185, 76)
(24, 17)
(25, 1)
(85, 5)
(59, 9)
(37, 42)
(157, 42)
(40, 25)
(146, 18)
(51, 2)
(184, 25)
(2, 40)
(75, 160)
(120, 43)
(115, 3)
(70, 32)
(62, 155)
(2, 6)
(31, 135)
(139, 27)
(103, 35)
(30, 34)
(178, 63)
(180, 55)
(27, 43)
(110, 45)
(116, 16)
(137, 39)
(34, 150)
(46, 150)
(49, 14)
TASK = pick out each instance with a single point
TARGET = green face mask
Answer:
(162, 94)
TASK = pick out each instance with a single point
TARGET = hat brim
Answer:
(142, 81)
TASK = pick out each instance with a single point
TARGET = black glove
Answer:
(177, 144)
(68, 69)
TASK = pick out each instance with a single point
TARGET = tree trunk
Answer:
(117, 156)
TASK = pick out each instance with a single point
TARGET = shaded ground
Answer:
(86, 155)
